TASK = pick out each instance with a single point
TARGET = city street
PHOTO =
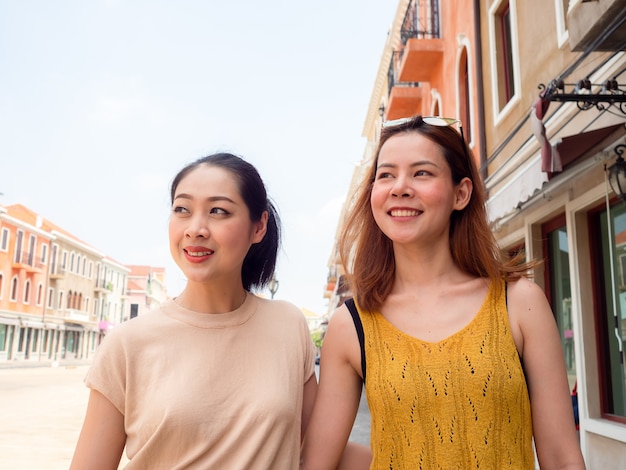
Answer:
(42, 410)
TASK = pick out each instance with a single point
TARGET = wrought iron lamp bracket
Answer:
(606, 95)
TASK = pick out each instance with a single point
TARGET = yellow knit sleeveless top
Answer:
(460, 403)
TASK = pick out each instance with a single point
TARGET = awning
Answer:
(529, 180)
(520, 188)
(574, 147)
(559, 153)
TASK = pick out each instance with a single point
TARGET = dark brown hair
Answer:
(260, 262)
(367, 253)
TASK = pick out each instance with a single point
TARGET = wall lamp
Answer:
(272, 285)
(617, 173)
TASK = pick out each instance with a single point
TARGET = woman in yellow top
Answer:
(459, 351)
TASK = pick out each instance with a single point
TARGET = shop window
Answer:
(608, 244)
(559, 288)
(3, 337)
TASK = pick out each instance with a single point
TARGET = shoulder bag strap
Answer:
(359, 331)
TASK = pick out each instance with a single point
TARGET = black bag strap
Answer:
(359, 331)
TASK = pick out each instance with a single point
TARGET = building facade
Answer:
(540, 89)
(146, 289)
(58, 295)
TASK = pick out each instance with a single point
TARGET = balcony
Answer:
(404, 101)
(103, 286)
(72, 315)
(422, 46)
(28, 261)
(57, 272)
(419, 59)
(597, 26)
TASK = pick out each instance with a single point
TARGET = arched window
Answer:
(39, 294)
(14, 289)
(27, 291)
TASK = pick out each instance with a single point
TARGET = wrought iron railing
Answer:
(28, 258)
(392, 73)
(420, 21)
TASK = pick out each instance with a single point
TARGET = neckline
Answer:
(234, 318)
(450, 337)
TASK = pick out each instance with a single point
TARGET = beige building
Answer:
(547, 113)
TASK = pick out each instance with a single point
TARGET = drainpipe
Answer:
(480, 100)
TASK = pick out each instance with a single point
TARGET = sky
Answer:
(103, 101)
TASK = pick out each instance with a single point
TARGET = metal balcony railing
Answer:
(420, 21)
(28, 258)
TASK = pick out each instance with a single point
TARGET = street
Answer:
(42, 410)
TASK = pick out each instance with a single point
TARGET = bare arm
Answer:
(337, 401)
(539, 343)
(102, 438)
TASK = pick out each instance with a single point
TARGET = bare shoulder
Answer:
(341, 339)
(523, 292)
(530, 314)
(341, 318)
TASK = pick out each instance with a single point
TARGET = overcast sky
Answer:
(103, 101)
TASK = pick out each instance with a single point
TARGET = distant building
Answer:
(58, 295)
(145, 289)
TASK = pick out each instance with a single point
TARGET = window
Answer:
(18, 246)
(3, 337)
(35, 338)
(14, 289)
(32, 247)
(39, 294)
(558, 288)
(1, 286)
(50, 297)
(608, 243)
(561, 7)
(504, 57)
(4, 239)
(27, 291)
(53, 259)
(44, 253)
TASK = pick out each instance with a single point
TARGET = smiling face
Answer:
(210, 230)
(413, 195)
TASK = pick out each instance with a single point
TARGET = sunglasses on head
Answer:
(431, 121)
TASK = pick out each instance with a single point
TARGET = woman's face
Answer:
(413, 195)
(210, 230)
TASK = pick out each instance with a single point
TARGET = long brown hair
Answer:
(367, 253)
